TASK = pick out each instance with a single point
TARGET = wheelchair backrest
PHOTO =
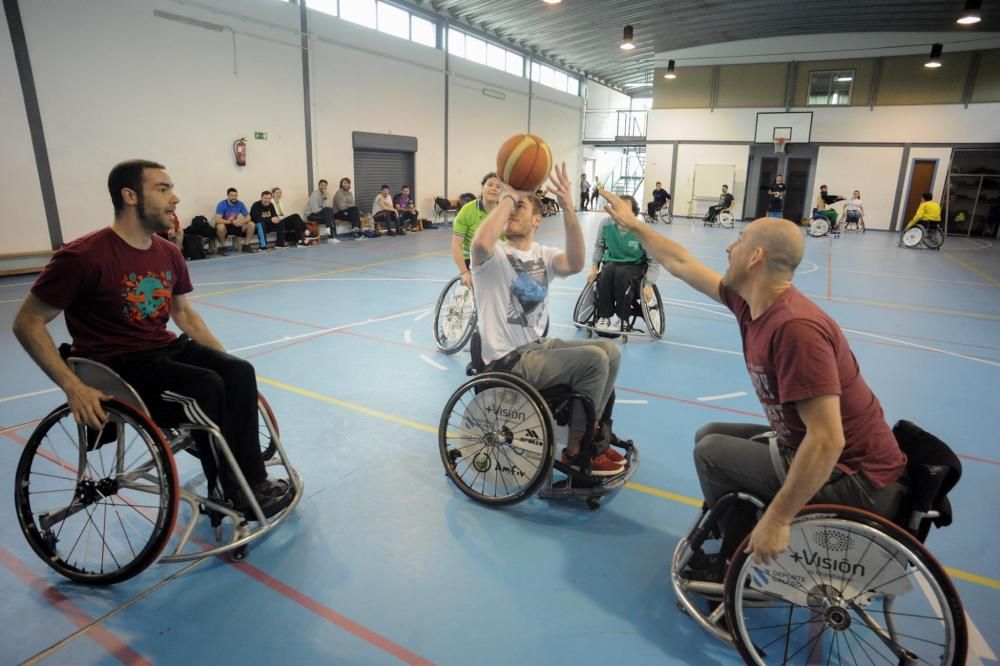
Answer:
(934, 469)
(103, 378)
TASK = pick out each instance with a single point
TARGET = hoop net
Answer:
(779, 145)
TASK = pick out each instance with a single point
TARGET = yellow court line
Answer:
(345, 269)
(649, 490)
(970, 267)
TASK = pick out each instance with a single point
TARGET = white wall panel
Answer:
(690, 155)
(872, 171)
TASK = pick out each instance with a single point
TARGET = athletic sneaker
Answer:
(600, 465)
(391, 232)
(705, 568)
(357, 234)
(223, 252)
(401, 232)
(334, 239)
(249, 249)
(603, 324)
(614, 456)
(272, 495)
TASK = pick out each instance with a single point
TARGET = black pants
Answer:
(191, 383)
(389, 219)
(584, 198)
(652, 208)
(713, 211)
(351, 215)
(264, 228)
(614, 289)
(408, 217)
(295, 228)
(325, 216)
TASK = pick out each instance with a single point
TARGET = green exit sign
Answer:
(260, 135)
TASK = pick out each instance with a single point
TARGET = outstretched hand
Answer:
(560, 186)
(620, 211)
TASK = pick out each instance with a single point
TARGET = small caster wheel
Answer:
(593, 503)
(240, 554)
(624, 339)
(590, 333)
(681, 607)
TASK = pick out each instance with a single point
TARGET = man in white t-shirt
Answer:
(511, 283)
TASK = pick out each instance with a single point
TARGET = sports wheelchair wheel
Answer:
(266, 421)
(851, 588)
(933, 237)
(913, 236)
(652, 313)
(586, 305)
(454, 316)
(497, 439)
(818, 226)
(726, 219)
(97, 506)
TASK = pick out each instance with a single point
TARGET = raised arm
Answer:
(672, 256)
(30, 330)
(572, 260)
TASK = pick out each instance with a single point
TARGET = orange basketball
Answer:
(524, 162)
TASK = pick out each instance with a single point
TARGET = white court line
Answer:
(815, 267)
(422, 315)
(16, 284)
(407, 337)
(631, 402)
(28, 395)
(712, 349)
(324, 331)
(924, 347)
(724, 396)
(429, 361)
(351, 279)
(13, 300)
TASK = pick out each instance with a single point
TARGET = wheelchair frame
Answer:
(454, 313)
(585, 313)
(158, 476)
(724, 219)
(920, 233)
(662, 215)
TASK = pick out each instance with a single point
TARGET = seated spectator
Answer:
(175, 235)
(624, 260)
(321, 209)
(725, 203)
(406, 209)
(295, 228)
(344, 208)
(384, 213)
(266, 220)
(660, 199)
(232, 217)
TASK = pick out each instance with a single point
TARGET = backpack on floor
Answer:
(200, 226)
(193, 247)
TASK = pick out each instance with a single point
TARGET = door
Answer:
(375, 168)
(797, 188)
(768, 170)
(921, 180)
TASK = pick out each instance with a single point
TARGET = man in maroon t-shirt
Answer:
(832, 442)
(119, 287)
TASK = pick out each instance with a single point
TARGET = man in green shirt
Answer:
(468, 220)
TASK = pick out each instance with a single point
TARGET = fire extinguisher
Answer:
(240, 151)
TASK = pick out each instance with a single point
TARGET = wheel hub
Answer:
(837, 618)
(91, 492)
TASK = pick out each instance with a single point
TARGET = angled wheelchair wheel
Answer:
(266, 421)
(652, 314)
(851, 588)
(726, 219)
(819, 226)
(454, 316)
(913, 236)
(933, 237)
(663, 215)
(586, 305)
(98, 507)
(497, 439)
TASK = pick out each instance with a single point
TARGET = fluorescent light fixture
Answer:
(935, 59)
(627, 44)
(971, 14)
(670, 71)
(552, 2)
(845, 78)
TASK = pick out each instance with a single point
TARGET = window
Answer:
(456, 42)
(831, 88)
(423, 31)
(475, 49)
(515, 64)
(393, 20)
(325, 6)
(496, 57)
(536, 72)
(361, 12)
(573, 85)
(547, 75)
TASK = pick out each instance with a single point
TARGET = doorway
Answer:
(796, 165)
(921, 180)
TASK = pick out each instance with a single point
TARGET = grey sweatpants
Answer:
(590, 367)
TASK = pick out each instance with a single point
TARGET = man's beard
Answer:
(152, 223)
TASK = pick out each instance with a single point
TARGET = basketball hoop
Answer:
(779, 144)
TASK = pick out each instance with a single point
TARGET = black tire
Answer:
(454, 316)
(114, 491)
(933, 237)
(913, 236)
(586, 305)
(850, 585)
(818, 227)
(264, 434)
(497, 424)
(653, 315)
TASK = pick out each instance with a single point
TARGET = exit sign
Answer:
(260, 135)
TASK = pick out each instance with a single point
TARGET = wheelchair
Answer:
(100, 506)
(497, 440)
(724, 218)
(853, 220)
(454, 316)
(928, 233)
(852, 587)
(662, 215)
(820, 225)
(585, 312)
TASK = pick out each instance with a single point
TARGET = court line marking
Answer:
(970, 267)
(408, 337)
(28, 395)
(102, 636)
(724, 396)
(906, 343)
(671, 342)
(631, 402)
(422, 315)
(13, 300)
(431, 362)
(649, 490)
(264, 283)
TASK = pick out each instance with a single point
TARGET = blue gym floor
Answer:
(385, 561)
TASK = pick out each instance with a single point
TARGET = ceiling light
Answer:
(670, 71)
(627, 44)
(845, 78)
(935, 59)
(552, 2)
(971, 14)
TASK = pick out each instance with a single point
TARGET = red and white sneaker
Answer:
(600, 465)
(614, 456)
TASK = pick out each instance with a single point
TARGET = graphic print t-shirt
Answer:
(512, 289)
(779, 192)
(116, 298)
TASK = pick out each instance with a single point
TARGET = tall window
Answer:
(325, 6)
(423, 31)
(830, 88)
(393, 20)
(382, 16)
(554, 78)
(361, 12)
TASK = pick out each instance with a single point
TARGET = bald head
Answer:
(781, 241)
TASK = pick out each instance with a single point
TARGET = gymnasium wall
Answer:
(872, 170)
(115, 81)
